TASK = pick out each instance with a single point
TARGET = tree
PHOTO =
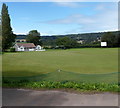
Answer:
(66, 42)
(110, 38)
(117, 39)
(34, 37)
(0, 35)
(7, 35)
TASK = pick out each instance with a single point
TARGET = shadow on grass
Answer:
(62, 76)
(63, 79)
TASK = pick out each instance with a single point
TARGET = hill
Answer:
(85, 37)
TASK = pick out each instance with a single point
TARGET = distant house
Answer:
(99, 39)
(27, 47)
(80, 41)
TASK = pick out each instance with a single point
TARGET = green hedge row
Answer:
(66, 84)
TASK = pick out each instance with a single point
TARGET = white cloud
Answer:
(105, 20)
(46, 34)
(100, 7)
(67, 4)
(20, 33)
(72, 19)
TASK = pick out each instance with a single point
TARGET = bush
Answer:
(12, 49)
(66, 85)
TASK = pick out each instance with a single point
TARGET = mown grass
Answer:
(80, 69)
(70, 76)
(85, 60)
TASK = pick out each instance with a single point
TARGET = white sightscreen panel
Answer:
(103, 43)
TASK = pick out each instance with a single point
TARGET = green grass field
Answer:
(76, 64)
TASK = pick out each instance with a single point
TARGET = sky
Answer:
(59, 18)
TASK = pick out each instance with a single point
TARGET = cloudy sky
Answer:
(52, 18)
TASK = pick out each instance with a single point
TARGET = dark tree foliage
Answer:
(66, 42)
(0, 35)
(118, 39)
(7, 35)
(111, 39)
(34, 37)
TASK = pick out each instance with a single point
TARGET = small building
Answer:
(39, 48)
(27, 47)
(80, 41)
(99, 39)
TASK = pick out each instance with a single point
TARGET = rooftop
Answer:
(26, 45)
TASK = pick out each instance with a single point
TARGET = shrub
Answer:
(12, 49)
(70, 85)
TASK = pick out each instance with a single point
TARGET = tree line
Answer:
(113, 40)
